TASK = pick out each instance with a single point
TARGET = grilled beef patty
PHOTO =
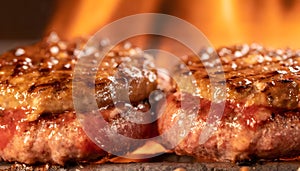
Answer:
(261, 119)
(37, 118)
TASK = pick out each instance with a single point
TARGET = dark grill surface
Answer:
(167, 162)
(166, 166)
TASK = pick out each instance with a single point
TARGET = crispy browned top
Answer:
(253, 74)
(38, 78)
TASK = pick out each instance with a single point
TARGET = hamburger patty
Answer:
(261, 118)
(37, 118)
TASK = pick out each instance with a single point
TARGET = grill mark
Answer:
(271, 83)
(234, 59)
(195, 66)
(265, 74)
(233, 78)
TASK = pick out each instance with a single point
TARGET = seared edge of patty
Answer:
(244, 133)
(61, 138)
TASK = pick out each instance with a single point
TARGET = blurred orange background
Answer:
(273, 23)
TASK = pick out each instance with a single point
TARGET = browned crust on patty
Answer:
(252, 74)
(39, 77)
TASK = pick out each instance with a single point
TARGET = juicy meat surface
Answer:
(39, 77)
(38, 122)
(253, 75)
(261, 118)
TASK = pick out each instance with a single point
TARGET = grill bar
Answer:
(166, 162)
